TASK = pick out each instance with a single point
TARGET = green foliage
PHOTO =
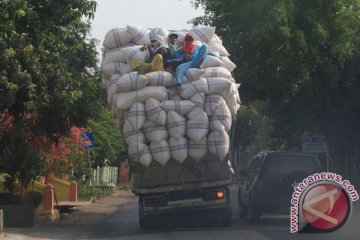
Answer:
(109, 143)
(253, 128)
(85, 192)
(48, 76)
(124, 186)
(48, 60)
(20, 160)
(300, 58)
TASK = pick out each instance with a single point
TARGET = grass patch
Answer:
(123, 186)
(85, 192)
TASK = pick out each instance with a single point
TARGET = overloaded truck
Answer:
(178, 141)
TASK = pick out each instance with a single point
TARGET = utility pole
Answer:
(88, 142)
(91, 176)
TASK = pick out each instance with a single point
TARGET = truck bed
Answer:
(209, 171)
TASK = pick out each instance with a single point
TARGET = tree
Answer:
(48, 81)
(300, 58)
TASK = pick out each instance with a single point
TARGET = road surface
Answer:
(124, 225)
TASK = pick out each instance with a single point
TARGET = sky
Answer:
(168, 14)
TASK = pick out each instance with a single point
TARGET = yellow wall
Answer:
(37, 187)
(61, 189)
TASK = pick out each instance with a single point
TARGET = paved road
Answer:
(124, 225)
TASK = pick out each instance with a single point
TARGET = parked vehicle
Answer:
(268, 183)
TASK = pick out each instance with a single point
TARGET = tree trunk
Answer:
(344, 143)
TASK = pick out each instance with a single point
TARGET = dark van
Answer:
(268, 183)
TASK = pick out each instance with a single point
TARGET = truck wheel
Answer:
(226, 222)
(254, 212)
(143, 221)
(243, 212)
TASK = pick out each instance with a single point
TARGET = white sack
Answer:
(117, 37)
(196, 113)
(140, 34)
(217, 72)
(197, 126)
(199, 100)
(154, 112)
(160, 78)
(218, 85)
(160, 152)
(212, 102)
(112, 88)
(228, 64)
(140, 152)
(211, 61)
(215, 45)
(221, 119)
(198, 150)
(190, 89)
(124, 69)
(203, 33)
(218, 144)
(193, 74)
(129, 82)
(131, 135)
(176, 124)
(126, 99)
(182, 107)
(111, 68)
(136, 53)
(233, 101)
(179, 148)
(136, 115)
(116, 54)
(173, 96)
(159, 31)
(155, 133)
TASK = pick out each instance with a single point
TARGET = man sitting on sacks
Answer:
(189, 56)
(159, 53)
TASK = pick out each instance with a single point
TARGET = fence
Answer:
(105, 176)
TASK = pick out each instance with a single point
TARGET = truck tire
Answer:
(227, 218)
(243, 212)
(254, 211)
(144, 222)
(242, 209)
(226, 222)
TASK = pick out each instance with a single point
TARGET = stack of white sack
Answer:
(159, 126)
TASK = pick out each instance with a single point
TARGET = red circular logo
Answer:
(326, 207)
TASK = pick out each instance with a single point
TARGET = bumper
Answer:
(187, 206)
